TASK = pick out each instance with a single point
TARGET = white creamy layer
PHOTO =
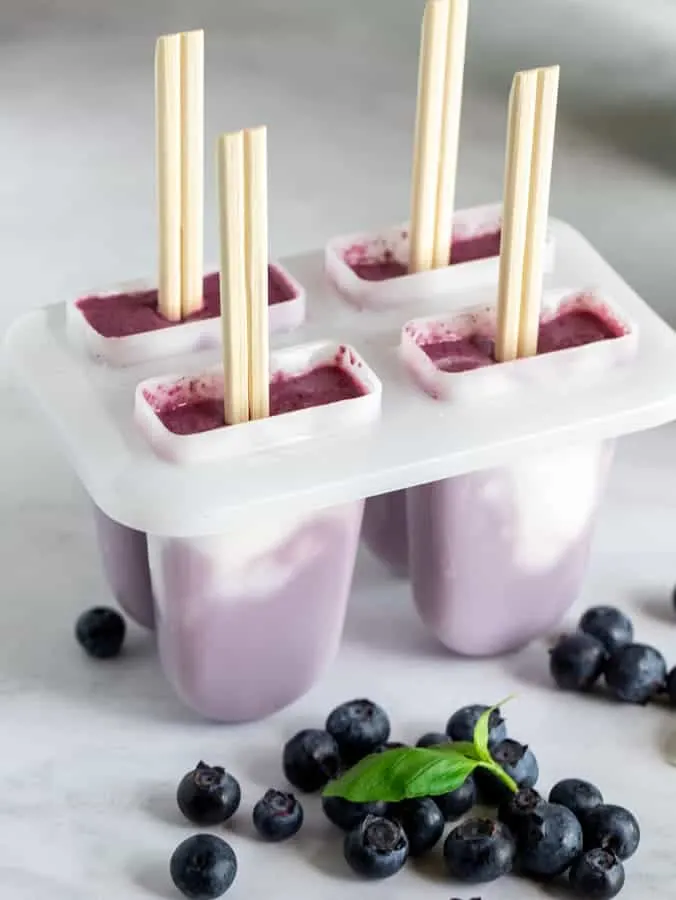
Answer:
(552, 497)
(247, 563)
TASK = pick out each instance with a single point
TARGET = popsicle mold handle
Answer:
(572, 364)
(239, 440)
(182, 337)
(480, 224)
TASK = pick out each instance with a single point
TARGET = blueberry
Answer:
(310, 760)
(515, 809)
(461, 725)
(359, 728)
(277, 816)
(479, 850)
(611, 828)
(203, 867)
(455, 804)
(608, 625)
(576, 661)
(100, 632)
(432, 739)
(348, 815)
(597, 874)
(422, 822)
(636, 673)
(376, 848)
(516, 760)
(577, 795)
(549, 839)
(208, 795)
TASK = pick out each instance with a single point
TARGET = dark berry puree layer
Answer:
(573, 328)
(121, 315)
(189, 411)
(463, 249)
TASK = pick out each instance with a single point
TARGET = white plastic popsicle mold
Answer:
(182, 337)
(275, 431)
(414, 440)
(561, 368)
(392, 244)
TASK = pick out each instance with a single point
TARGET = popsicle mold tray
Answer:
(403, 439)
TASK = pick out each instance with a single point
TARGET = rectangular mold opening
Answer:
(315, 389)
(124, 327)
(581, 334)
(371, 270)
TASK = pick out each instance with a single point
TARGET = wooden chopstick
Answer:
(515, 212)
(192, 171)
(538, 213)
(427, 141)
(233, 278)
(256, 215)
(168, 167)
(456, 43)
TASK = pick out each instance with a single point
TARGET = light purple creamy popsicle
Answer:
(246, 620)
(497, 556)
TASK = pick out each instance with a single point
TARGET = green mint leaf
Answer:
(401, 774)
(462, 747)
(481, 731)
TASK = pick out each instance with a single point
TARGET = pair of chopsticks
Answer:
(243, 207)
(179, 103)
(528, 169)
(437, 130)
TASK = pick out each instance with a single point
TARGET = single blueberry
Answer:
(359, 727)
(376, 848)
(576, 795)
(636, 673)
(455, 804)
(611, 828)
(348, 815)
(100, 632)
(208, 795)
(549, 839)
(203, 867)
(479, 850)
(432, 739)
(421, 820)
(461, 725)
(515, 809)
(597, 874)
(277, 816)
(310, 760)
(576, 661)
(516, 760)
(608, 625)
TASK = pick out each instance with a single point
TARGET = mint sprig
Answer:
(405, 773)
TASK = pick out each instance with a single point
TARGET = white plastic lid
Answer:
(415, 439)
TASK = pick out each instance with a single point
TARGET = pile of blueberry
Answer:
(572, 832)
(603, 645)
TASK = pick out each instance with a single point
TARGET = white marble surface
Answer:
(91, 754)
